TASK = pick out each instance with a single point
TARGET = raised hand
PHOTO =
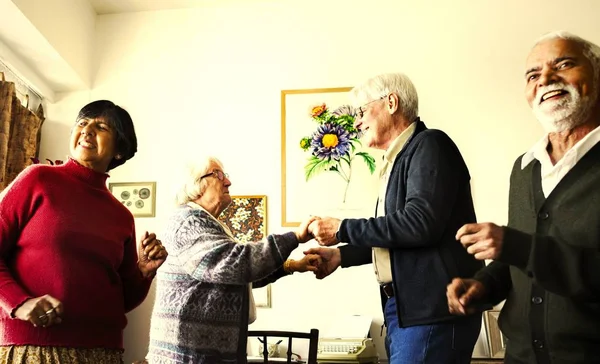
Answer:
(331, 260)
(41, 311)
(310, 262)
(324, 229)
(484, 241)
(151, 255)
(463, 295)
(302, 233)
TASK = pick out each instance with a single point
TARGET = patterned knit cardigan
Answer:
(201, 308)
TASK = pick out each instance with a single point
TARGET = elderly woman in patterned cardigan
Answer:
(204, 299)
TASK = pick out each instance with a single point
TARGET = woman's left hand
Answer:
(151, 255)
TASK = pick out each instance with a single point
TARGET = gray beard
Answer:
(569, 115)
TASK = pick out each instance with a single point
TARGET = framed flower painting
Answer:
(325, 170)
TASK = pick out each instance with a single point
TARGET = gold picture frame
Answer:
(137, 197)
(496, 340)
(324, 194)
(246, 217)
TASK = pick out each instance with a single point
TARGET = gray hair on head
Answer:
(190, 187)
(385, 84)
(591, 51)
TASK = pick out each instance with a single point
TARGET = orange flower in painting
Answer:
(318, 110)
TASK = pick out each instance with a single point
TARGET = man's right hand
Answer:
(309, 262)
(463, 294)
(331, 257)
(41, 311)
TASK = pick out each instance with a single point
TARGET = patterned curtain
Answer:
(20, 133)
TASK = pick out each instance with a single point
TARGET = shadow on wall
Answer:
(55, 140)
(137, 332)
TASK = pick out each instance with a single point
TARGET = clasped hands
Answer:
(46, 310)
(322, 261)
(151, 255)
(483, 241)
(322, 229)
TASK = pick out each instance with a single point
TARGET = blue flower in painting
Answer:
(330, 141)
(333, 146)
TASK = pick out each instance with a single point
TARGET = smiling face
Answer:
(93, 143)
(376, 123)
(215, 197)
(560, 85)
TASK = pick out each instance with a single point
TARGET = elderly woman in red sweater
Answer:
(70, 267)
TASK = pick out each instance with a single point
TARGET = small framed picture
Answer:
(496, 340)
(262, 296)
(138, 197)
(246, 217)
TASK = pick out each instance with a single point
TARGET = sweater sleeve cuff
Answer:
(290, 236)
(286, 243)
(488, 281)
(352, 256)
(516, 248)
(13, 296)
(340, 235)
(483, 277)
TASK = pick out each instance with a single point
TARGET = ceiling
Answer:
(127, 6)
(24, 46)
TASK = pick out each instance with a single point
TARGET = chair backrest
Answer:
(313, 338)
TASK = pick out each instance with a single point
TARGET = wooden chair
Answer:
(313, 338)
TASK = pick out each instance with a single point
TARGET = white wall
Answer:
(208, 81)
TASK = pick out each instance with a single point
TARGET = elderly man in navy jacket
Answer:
(425, 197)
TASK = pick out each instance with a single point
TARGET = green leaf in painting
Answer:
(316, 165)
(369, 160)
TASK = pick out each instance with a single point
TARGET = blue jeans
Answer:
(441, 343)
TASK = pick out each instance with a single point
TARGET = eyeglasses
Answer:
(360, 112)
(220, 175)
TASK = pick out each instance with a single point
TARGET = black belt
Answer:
(388, 289)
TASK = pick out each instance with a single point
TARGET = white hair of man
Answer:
(190, 186)
(591, 51)
(385, 84)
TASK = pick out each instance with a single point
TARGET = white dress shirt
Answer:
(553, 173)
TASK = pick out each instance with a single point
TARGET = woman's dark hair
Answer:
(120, 121)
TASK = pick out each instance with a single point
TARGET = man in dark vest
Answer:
(547, 260)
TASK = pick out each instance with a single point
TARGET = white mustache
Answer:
(554, 87)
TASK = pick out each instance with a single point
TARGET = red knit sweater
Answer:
(62, 233)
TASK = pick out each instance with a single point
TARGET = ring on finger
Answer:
(50, 311)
